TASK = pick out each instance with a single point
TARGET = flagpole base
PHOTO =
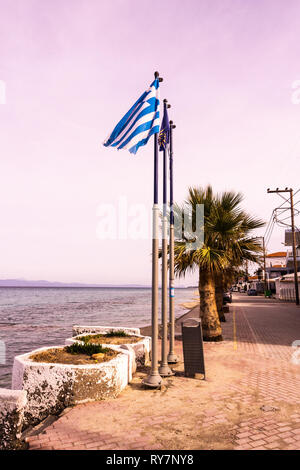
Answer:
(153, 381)
(172, 358)
(165, 371)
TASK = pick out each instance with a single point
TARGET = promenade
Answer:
(250, 399)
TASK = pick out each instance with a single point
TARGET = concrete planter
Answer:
(52, 387)
(141, 349)
(80, 330)
(12, 407)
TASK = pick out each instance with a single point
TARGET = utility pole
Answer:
(294, 248)
(265, 272)
(287, 190)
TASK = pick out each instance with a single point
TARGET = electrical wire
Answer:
(270, 234)
(283, 209)
(268, 225)
(287, 200)
(274, 219)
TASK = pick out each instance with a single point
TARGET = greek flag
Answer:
(139, 123)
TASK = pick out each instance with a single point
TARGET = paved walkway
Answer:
(250, 399)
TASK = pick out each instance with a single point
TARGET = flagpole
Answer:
(164, 369)
(172, 358)
(154, 380)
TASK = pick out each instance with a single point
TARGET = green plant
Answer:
(119, 333)
(87, 338)
(88, 349)
(110, 334)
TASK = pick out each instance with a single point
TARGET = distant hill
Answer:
(42, 283)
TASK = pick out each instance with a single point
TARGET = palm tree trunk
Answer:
(219, 289)
(219, 302)
(211, 326)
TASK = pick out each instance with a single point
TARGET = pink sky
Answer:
(73, 68)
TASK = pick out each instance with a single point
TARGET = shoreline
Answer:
(147, 330)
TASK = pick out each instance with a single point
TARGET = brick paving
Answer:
(249, 372)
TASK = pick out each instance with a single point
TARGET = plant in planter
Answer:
(77, 353)
(137, 345)
(111, 337)
(118, 333)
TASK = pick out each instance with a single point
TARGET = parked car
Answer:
(252, 292)
(227, 297)
(235, 289)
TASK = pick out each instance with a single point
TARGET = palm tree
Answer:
(223, 281)
(221, 246)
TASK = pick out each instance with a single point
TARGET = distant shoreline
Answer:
(74, 287)
(81, 287)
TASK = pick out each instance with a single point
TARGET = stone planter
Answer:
(51, 387)
(80, 330)
(141, 349)
(12, 406)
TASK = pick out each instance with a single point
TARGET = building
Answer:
(281, 263)
(285, 287)
(255, 282)
(279, 266)
(277, 259)
(290, 259)
(276, 264)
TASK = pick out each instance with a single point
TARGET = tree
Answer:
(217, 250)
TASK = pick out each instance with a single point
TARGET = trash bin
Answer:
(192, 343)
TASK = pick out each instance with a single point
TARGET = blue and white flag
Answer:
(139, 123)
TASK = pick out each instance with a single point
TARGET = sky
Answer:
(72, 68)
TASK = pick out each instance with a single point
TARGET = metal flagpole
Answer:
(164, 369)
(172, 358)
(154, 379)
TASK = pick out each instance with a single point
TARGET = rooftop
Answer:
(277, 254)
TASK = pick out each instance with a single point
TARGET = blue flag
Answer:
(139, 123)
(164, 134)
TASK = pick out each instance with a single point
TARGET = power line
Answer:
(291, 199)
(287, 208)
(287, 200)
(274, 219)
(270, 233)
(296, 213)
(268, 226)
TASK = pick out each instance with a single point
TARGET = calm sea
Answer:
(34, 317)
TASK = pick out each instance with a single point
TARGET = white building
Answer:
(285, 287)
(276, 260)
(290, 258)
